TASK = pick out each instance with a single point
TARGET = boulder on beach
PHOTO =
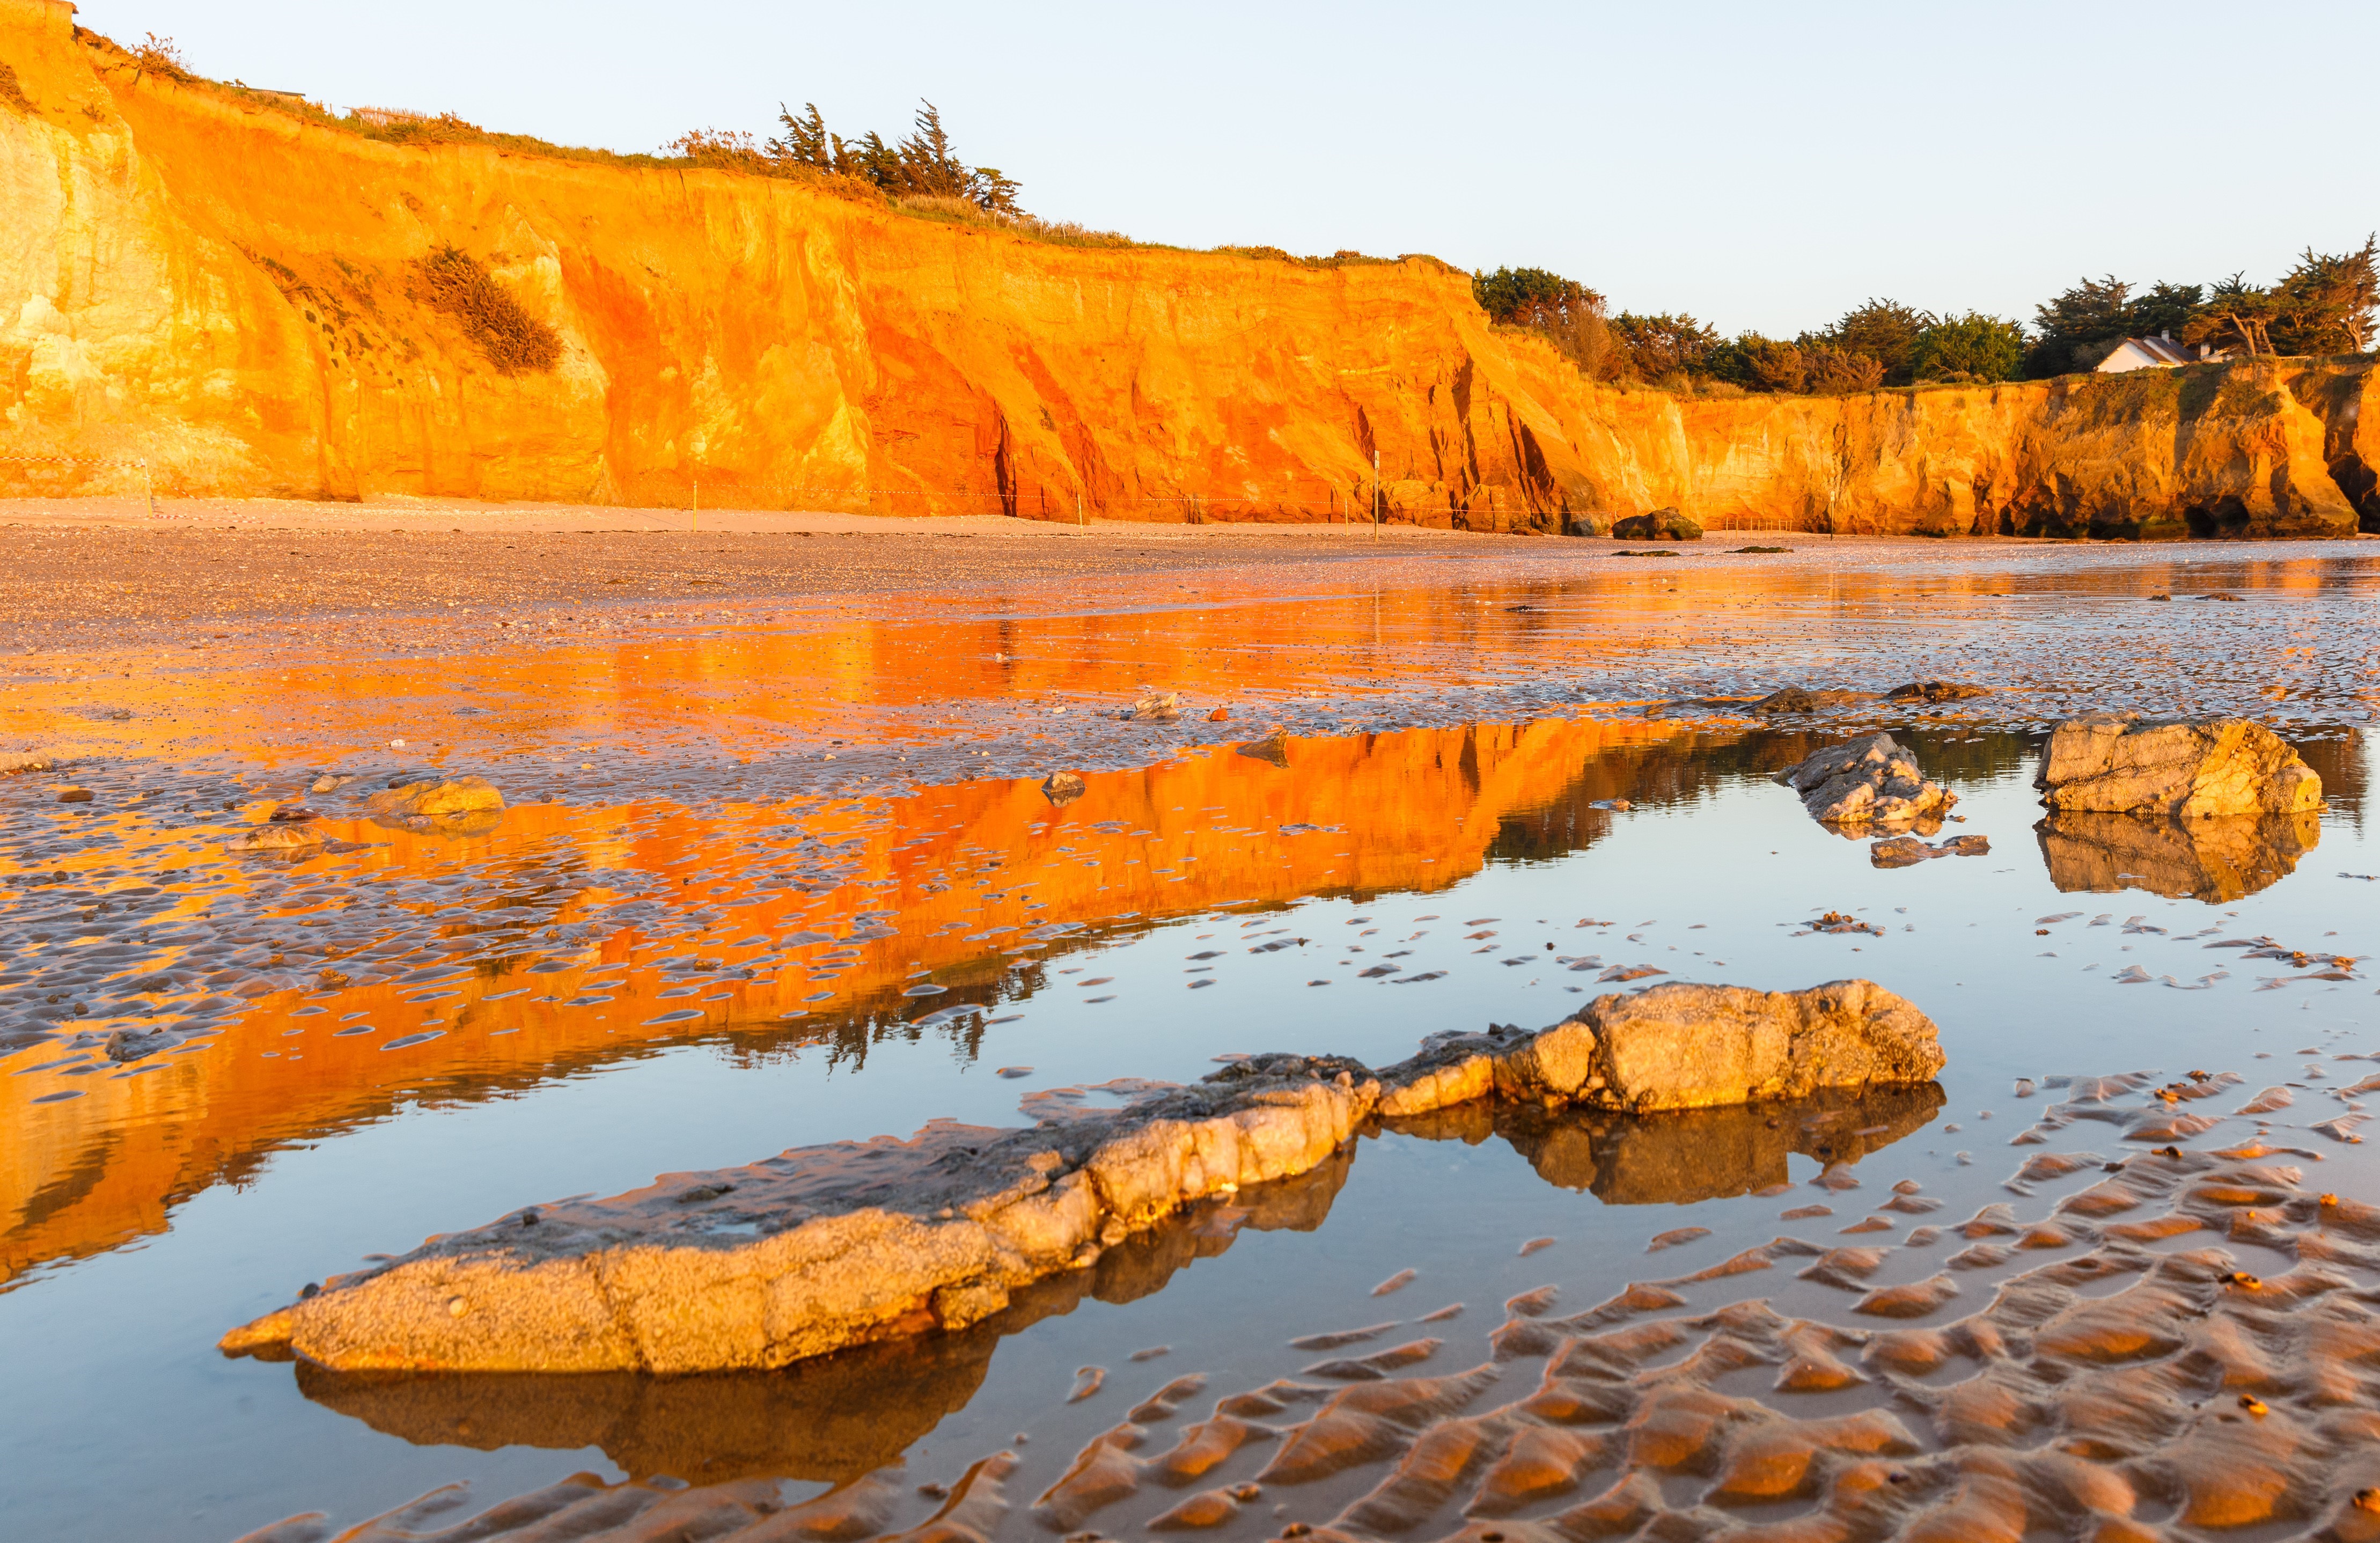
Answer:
(826, 1247)
(1586, 524)
(1681, 1045)
(2124, 764)
(436, 798)
(1867, 781)
(1661, 525)
(13, 761)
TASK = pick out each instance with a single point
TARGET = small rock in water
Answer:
(275, 838)
(1062, 787)
(1398, 1281)
(1088, 1381)
(1014, 1072)
(1219, 715)
(1159, 707)
(1935, 691)
(1908, 851)
(329, 782)
(1865, 780)
(432, 797)
(74, 796)
(26, 760)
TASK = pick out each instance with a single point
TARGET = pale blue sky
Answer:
(1759, 165)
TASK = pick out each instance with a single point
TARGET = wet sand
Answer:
(776, 869)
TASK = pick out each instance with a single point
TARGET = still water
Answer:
(769, 879)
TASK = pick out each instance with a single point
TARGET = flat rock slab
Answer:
(820, 1248)
(2124, 763)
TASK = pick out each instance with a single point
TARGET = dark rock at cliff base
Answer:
(1586, 525)
(1661, 525)
(1935, 691)
(2217, 859)
(1062, 787)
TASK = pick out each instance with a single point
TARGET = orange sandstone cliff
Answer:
(235, 295)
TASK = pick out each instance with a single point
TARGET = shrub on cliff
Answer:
(1885, 331)
(1974, 348)
(513, 339)
(1755, 362)
(1564, 312)
(925, 164)
(1665, 344)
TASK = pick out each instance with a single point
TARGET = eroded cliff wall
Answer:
(234, 294)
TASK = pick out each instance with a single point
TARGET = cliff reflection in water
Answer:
(844, 1416)
(574, 937)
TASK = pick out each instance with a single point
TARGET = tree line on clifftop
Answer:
(2323, 305)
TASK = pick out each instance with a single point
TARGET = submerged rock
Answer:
(2217, 859)
(1871, 780)
(826, 1247)
(276, 838)
(2124, 763)
(132, 1044)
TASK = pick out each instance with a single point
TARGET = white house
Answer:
(2144, 353)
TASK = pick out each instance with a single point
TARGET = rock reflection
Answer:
(832, 1419)
(2218, 860)
(1681, 1156)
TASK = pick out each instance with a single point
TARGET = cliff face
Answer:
(192, 277)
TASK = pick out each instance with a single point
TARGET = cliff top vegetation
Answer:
(2323, 305)
(921, 174)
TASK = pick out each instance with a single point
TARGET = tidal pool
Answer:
(693, 940)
